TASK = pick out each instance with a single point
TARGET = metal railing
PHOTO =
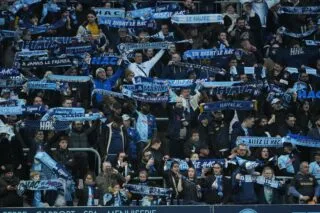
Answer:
(80, 150)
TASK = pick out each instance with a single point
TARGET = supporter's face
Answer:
(39, 136)
(89, 180)
(305, 168)
(176, 58)
(191, 173)
(126, 123)
(218, 115)
(79, 7)
(304, 77)
(194, 156)
(149, 53)
(130, 77)
(317, 158)
(250, 123)
(188, 3)
(318, 123)
(195, 136)
(244, 78)
(102, 75)
(143, 37)
(116, 188)
(267, 173)
(265, 153)
(241, 24)
(122, 33)
(78, 126)
(9, 174)
(27, 36)
(230, 10)
(233, 63)
(179, 104)
(145, 108)
(185, 93)
(242, 151)
(147, 155)
(306, 106)
(91, 18)
(142, 177)
(175, 168)
(107, 167)
(67, 103)
(107, 5)
(288, 149)
(165, 29)
(138, 58)
(109, 71)
(37, 101)
(156, 146)
(291, 121)
(122, 156)
(263, 122)
(217, 169)
(204, 122)
(172, 50)
(223, 36)
(63, 144)
(318, 65)
(34, 20)
(277, 106)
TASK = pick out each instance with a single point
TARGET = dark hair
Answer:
(91, 174)
(240, 19)
(289, 116)
(174, 163)
(64, 137)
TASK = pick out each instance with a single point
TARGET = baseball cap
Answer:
(125, 117)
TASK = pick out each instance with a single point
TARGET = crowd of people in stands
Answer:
(194, 157)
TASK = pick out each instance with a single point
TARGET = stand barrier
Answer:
(175, 209)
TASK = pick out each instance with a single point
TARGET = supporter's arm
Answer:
(149, 64)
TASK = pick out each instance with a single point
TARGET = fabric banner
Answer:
(50, 62)
(197, 19)
(59, 40)
(38, 29)
(284, 31)
(38, 45)
(155, 13)
(197, 164)
(200, 67)
(8, 72)
(261, 181)
(104, 60)
(147, 190)
(20, 3)
(46, 125)
(171, 83)
(252, 141)
(41, 185)
(229, 105)
(109, 12)
(126, 23)
(248, 165)
(124, 47)
(107, 93)
(207, 53)
(8, 34)
(147, 88)
(14, 110)
(312, 43)
(148, 99)
(42, 85)
(299, 10)
(68, 78)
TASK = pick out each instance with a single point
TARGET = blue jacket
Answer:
(243, 193)
(107, 84)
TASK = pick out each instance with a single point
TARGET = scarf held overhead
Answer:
(197, 19)
(229, 105)
(260, 141)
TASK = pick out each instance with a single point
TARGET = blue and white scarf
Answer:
(109, 12)
(312, 43)
(21, 109)
(248, 165)
(170, 83)
(212, 84)
(46, 125)
(197, 164)
(228, 105)
(126, 23)
(68, 78)
(260, 141)
(60, 40)
(8, 34)
(299, 140)
(207, 53)
(63, 112)
(156, 12)
(38, 45)
(50, 62)
(49, 7)
(261, 181)
(27, 53)
(147, 88)
(38, 29)
(148, 99)
(12, 81)
(41, 85)
(299, 10)
(8, 72)
(107, 93)
(284, 31)
(104, 60)
(147, 190)
(200, 67)
(86, 117)
(197, 19)
(125, 47)
(75, 50)
(53, 184)
(20, 3)
(234, 90)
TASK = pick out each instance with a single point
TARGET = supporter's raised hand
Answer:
(315, 199)
(238, 176)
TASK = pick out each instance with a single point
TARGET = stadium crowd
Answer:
(239, 89)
